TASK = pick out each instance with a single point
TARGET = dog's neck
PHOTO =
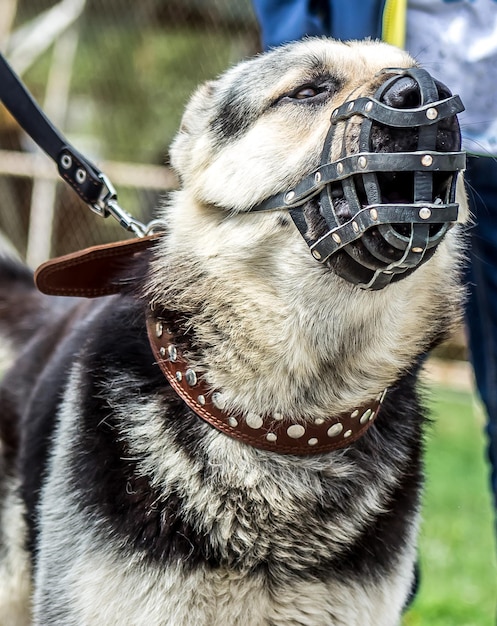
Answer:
(272, 432)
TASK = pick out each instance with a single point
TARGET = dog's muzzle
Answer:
(383, 211)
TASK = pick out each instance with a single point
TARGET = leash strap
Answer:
(91, 185)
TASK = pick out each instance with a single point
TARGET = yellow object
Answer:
(394, 22)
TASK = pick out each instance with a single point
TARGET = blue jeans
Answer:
(481, 308)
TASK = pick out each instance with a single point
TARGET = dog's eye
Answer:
(308, 91)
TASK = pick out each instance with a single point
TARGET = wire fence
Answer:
(114, 76)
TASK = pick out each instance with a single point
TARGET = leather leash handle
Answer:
(80, 173)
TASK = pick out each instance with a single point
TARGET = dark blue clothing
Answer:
(481, 308)
(283, 21)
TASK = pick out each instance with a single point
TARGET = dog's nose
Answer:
(404, 93)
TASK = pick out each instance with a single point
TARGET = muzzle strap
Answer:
(407, 229)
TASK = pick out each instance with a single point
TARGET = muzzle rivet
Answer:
(426, 160)
(351, 106)
(369, 106)
(362, 161)
(289, 196)
(336, 238)
(374, 214)
(317, 177)
(339, 168)
(431, 113)
(424, 213)
(316, 254)
(416, 249)
(355, 227)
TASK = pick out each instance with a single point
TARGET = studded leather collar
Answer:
(269, 432)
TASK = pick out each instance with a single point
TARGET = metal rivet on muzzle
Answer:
(431, 113)
(289, 196)
(317, 177)
(426, 160)
(362, 162)
(425, 213)
(316, 255)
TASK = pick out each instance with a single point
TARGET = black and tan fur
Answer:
(118, 504)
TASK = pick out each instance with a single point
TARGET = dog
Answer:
(255, 457)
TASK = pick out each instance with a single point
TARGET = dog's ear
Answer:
(185, 150)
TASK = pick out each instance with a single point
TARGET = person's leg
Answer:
(481, 308)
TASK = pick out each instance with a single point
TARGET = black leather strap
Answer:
(80, 173)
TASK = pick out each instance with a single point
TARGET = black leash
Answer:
(85, 178)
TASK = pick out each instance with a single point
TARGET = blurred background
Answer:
(114, 76)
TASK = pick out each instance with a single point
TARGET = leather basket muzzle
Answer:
(389, 205)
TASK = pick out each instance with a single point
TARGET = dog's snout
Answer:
(404, 93)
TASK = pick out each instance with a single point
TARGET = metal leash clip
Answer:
(107, 205)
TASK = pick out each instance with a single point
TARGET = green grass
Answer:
(457, 543)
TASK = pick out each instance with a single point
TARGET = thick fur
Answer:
(119, 505)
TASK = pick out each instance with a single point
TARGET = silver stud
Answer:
(312, 441)
(201, 400)
(80, 176)
(289, 196)
(254, 421)
(335, 430)
(162, 351)
(368, 106)
(179, 376)
(362, 161)
(424, 213)
(336, 238)
(427, 160)
(316, 255)
(347, 434)
(339, 168)
(295, 431)
(232, 422)
(431, 113)
(159, 329)
(374, 214)
(355, 227)
(172, 352)
(66, 161)
(318, 421)
(354, 414)
(218, 400)
(317, 177)
(417, 249)
(365, 416)
(191, 377)
(271, 437)
(372, 416)
(351, 106)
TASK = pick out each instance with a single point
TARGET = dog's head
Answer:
(281, 330)
(363, 157)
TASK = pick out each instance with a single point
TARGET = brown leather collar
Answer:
(98, 271)
(273, 433)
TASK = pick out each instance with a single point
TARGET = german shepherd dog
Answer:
(254, 458)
